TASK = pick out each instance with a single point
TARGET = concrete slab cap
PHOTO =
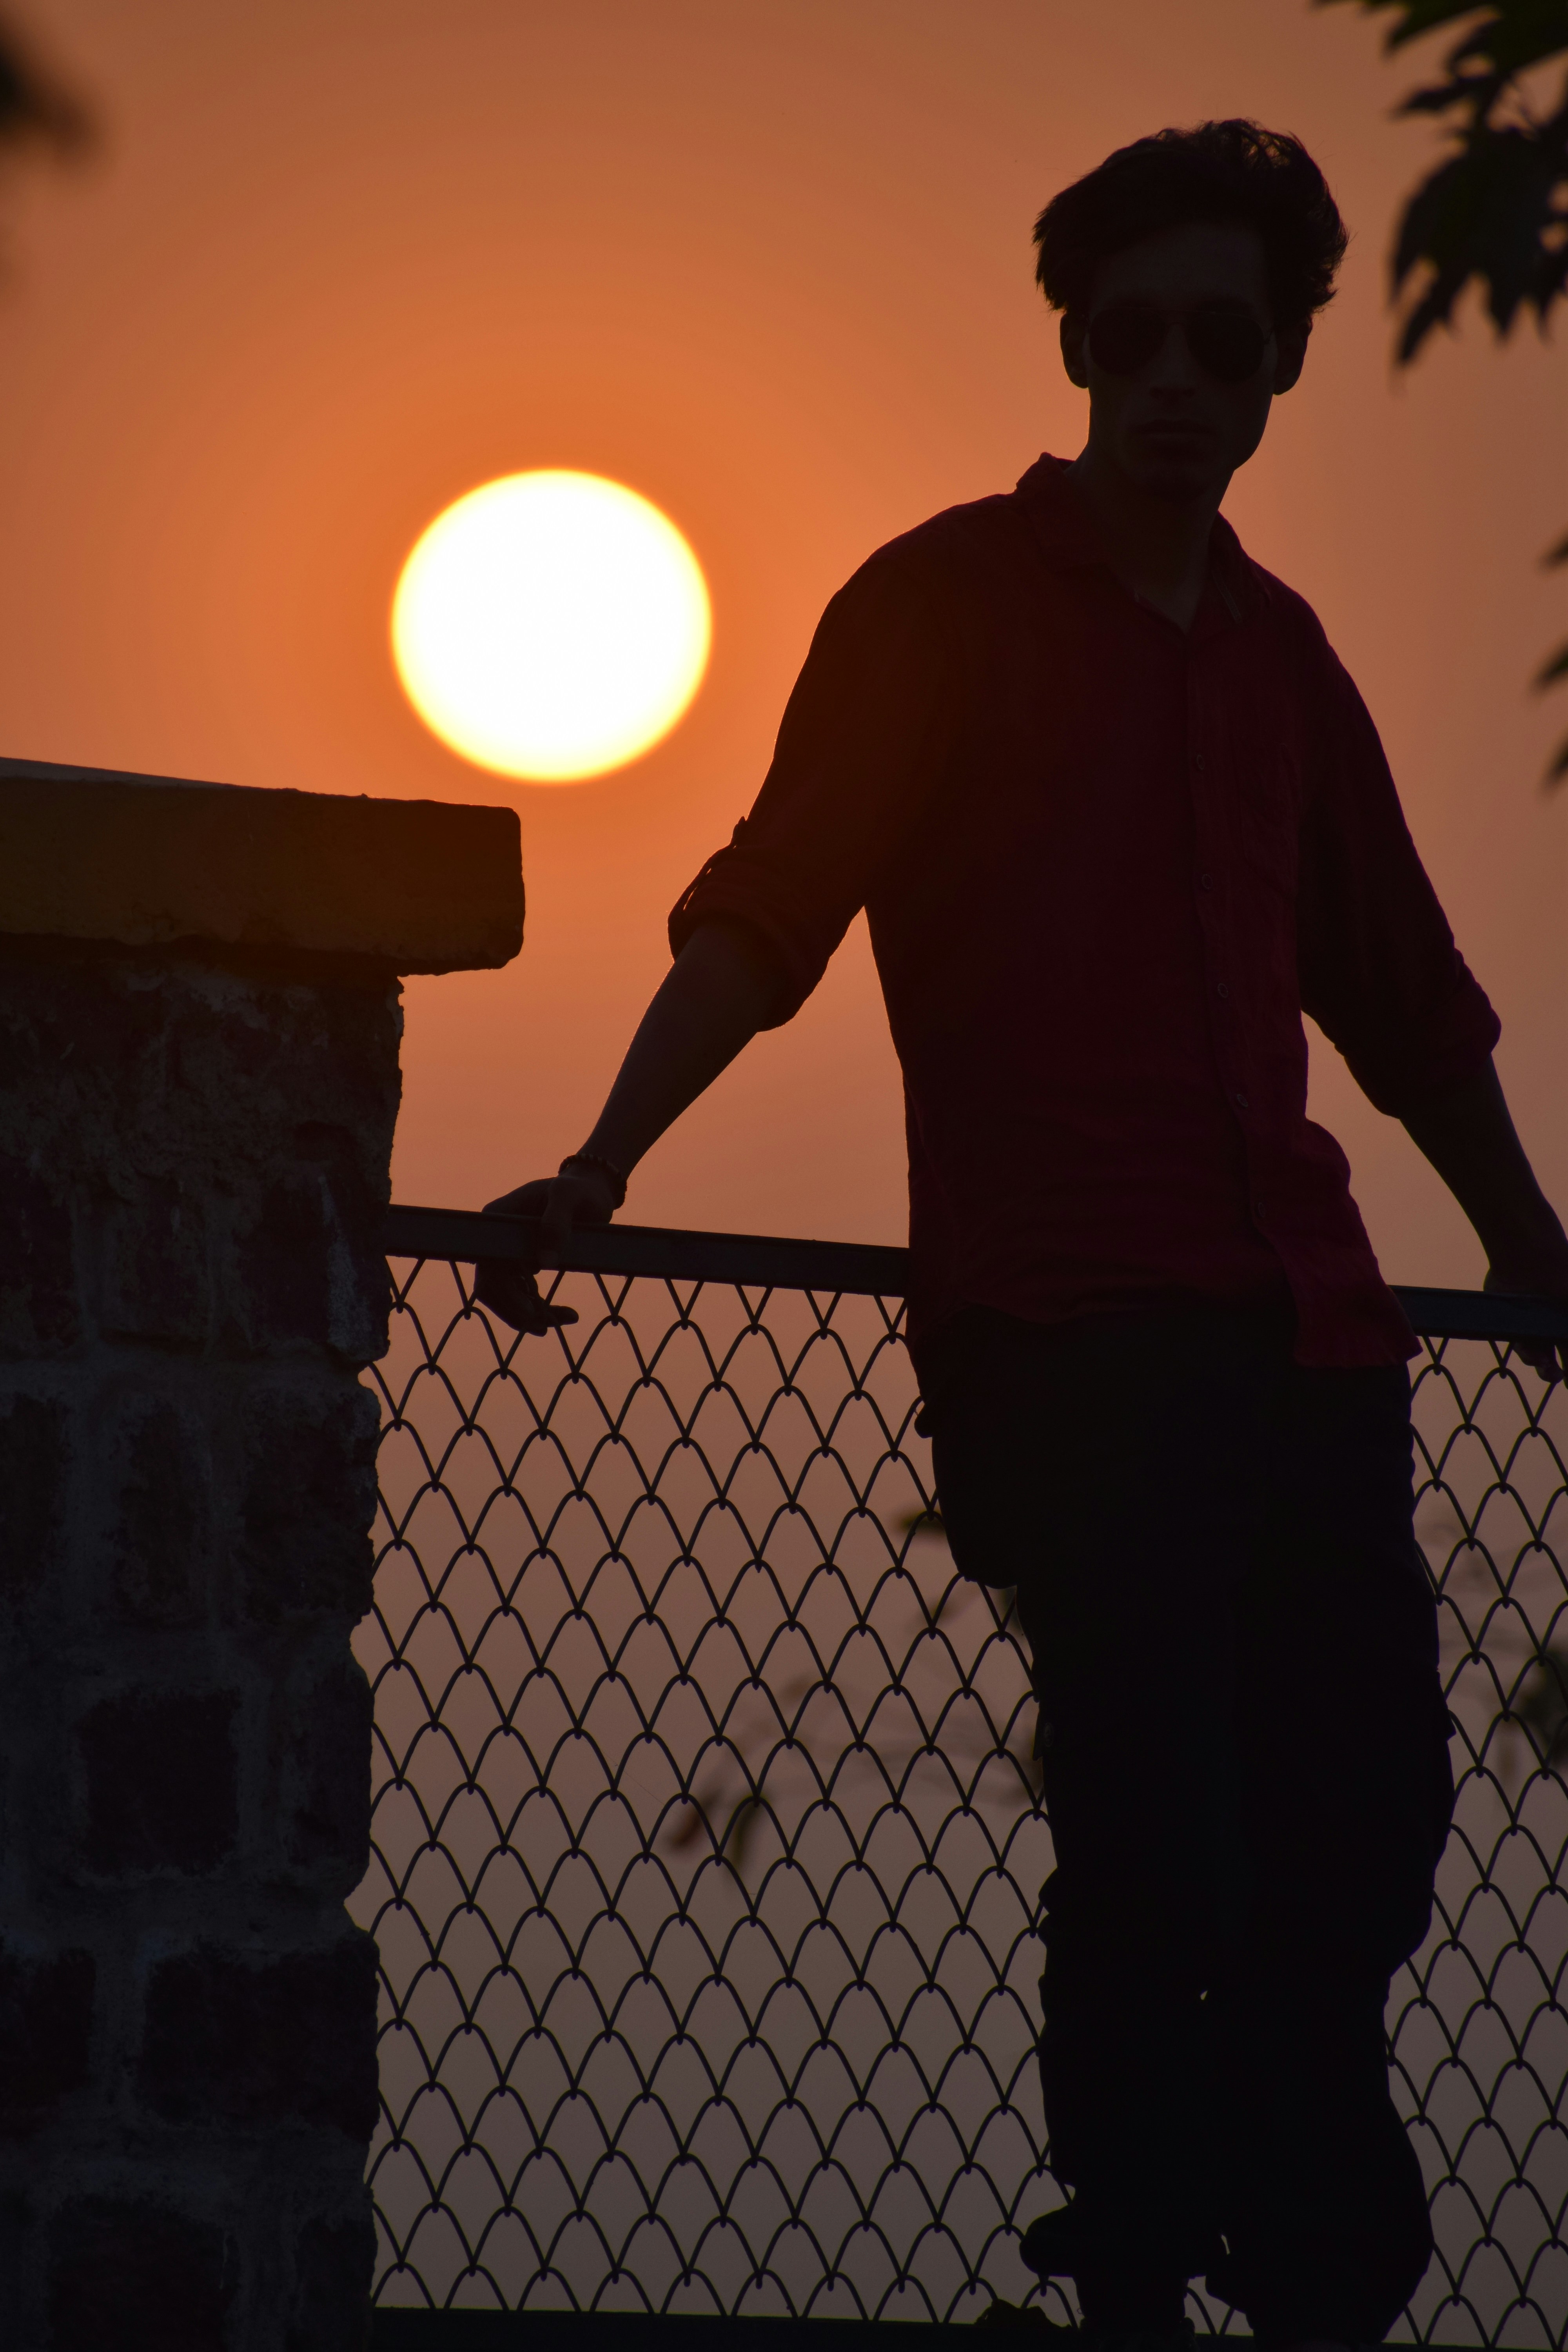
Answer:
(95, 854)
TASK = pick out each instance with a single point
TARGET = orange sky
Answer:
(769, 264)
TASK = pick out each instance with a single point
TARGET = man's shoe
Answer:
(1020, 2314)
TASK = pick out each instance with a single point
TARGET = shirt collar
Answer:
(1069, 538)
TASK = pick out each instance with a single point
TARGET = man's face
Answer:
(1171, 426)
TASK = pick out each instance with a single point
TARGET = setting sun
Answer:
(551, 625)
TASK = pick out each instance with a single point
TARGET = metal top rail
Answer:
(863, 1269)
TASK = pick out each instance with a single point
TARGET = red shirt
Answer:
(1106, 864)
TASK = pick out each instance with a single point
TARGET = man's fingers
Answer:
(526, 1200)
(1544, 1359)
(510, 1291)
(506, 1291)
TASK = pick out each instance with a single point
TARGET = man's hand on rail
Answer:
(722, 988)
(579, 1195)
(1541, 1273)
(1468, 1135)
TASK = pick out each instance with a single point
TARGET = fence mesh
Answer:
(705, 1850)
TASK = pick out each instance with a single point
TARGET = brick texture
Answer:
(234, 2038)
(307, 1500)
(45, 2028)
(39, 1312)
(193, 1165)
(325, 1784)
(330, 2309)
(157, 1511)
(155, 1281)
(129, 2276)
(161, 1781)
(34, 1460)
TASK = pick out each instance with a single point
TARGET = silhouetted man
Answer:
(1118, 817)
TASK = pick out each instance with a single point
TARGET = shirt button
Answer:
(1257, 1211)
(1222, 989)
(1205, 881)
(1198, 761)
(1242, 1101)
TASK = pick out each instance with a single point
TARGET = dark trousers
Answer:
(1243, 1743)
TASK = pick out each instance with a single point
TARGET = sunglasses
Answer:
(1226, 344)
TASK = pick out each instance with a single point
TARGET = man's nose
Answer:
(1175, 368)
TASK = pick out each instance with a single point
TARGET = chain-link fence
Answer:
(706, 1857)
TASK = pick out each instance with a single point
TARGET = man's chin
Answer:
(1179, 471)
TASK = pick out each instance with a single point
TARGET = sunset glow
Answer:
(770, 267)
(551, 625)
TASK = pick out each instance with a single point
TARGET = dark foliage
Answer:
(1496, 209)
(1540, 1705)
(33, 106)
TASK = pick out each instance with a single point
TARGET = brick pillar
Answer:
(199, 1021)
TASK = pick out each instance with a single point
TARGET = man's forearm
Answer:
(1468, 1135)
(720, 992)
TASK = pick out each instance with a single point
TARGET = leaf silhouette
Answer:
(1541, 1707)
(34, 106)
(1495, 211)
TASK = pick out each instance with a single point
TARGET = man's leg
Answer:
(1105, 1470)
(1342, 1731)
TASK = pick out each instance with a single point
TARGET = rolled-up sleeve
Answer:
(864, 738)
(1379, 969)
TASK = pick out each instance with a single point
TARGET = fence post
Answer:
(199, 1023)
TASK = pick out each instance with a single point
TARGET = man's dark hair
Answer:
(1220, 172)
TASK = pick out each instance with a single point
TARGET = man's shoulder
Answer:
(1287, 608)
(928, 577)
(1289, 603)
(1300, 650)
(951, 540)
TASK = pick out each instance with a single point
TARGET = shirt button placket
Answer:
(1206, 884)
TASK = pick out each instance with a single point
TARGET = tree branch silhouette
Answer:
(1495, 210)
(36, 110)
